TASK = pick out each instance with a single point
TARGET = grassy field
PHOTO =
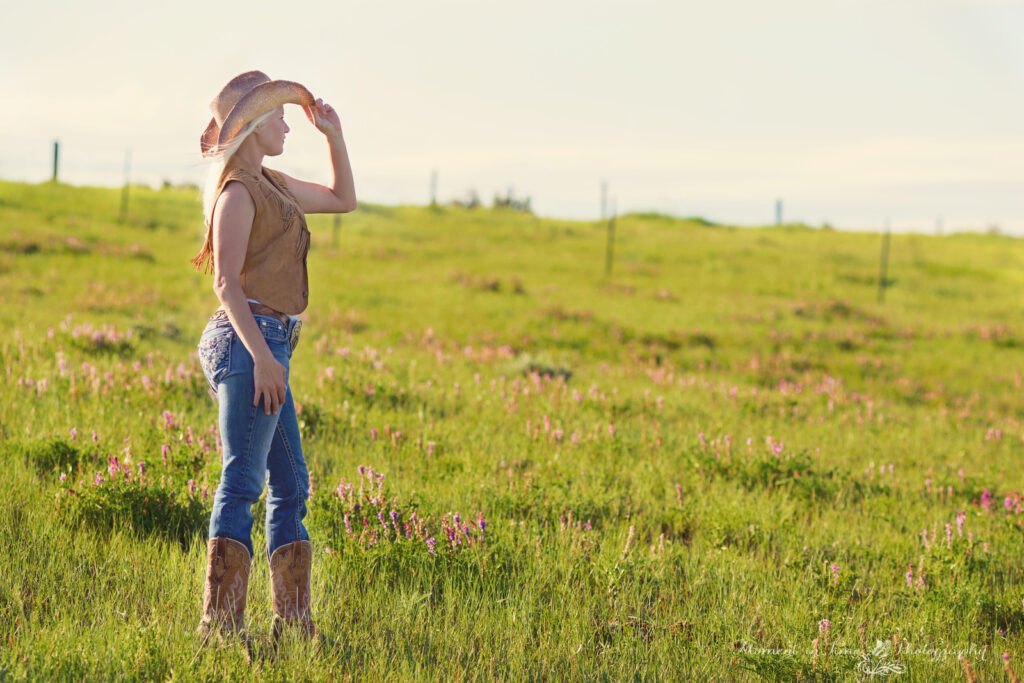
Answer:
(727, 461)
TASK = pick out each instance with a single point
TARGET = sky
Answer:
(856, 113)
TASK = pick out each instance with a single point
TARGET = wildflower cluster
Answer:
(360, 514)
(127, 496)
(105, 338)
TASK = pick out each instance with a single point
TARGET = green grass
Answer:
(669, 461)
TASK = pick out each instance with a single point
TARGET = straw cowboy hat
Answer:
(245, 97)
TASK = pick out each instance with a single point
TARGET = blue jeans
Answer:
(255, 445)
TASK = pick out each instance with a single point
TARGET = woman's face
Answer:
(271, 133)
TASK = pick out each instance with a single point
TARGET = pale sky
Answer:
(851, 111)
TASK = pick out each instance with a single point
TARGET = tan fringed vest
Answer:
(274, 272)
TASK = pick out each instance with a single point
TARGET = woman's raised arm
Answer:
(340, 197)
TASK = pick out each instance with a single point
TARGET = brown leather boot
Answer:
(227, 580)
(289, 588)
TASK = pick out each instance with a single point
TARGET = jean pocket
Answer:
(215, 356)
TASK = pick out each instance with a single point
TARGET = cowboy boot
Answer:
(227, 580)
(289, 588)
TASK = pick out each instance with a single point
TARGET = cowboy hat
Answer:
(245, 97)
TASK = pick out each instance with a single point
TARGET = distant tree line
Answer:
(508, 201)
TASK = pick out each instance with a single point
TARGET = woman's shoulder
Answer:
(278, 179)
(241, 176)
(280, 182)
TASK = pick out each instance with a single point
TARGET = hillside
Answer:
(683, 468)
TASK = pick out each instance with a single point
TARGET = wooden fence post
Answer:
(883, 268)
(610, 249)
(127, 181)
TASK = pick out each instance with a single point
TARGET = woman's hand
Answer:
(271, 383)
(324, 117)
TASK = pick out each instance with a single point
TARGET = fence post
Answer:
(127, 181)
(609, 251)
(778, 212)
(433, 187)
(883, 268)
(604, 199)
(56, 157)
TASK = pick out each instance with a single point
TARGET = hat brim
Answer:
(258, 101)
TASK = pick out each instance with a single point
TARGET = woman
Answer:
(256, 245)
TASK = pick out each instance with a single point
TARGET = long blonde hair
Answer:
(203, 261)
(217, 163)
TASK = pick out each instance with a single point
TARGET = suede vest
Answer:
(274, 272)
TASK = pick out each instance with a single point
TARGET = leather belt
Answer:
(259, 309)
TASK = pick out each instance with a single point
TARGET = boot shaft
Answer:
(227, 582)
(290, 568)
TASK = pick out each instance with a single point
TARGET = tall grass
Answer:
(726, 462)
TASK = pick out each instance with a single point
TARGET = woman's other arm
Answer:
(232, 223)
(340, 197)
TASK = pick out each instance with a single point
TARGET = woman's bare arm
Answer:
(340, 197)
(232, 223)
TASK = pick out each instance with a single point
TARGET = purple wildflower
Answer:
(431, 546)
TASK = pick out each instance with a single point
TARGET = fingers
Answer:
(272, 398)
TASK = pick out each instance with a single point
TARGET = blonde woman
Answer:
(256, 246)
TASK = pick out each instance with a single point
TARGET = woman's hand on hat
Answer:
(324, 117)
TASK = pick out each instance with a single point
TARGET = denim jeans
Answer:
(256, 446)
